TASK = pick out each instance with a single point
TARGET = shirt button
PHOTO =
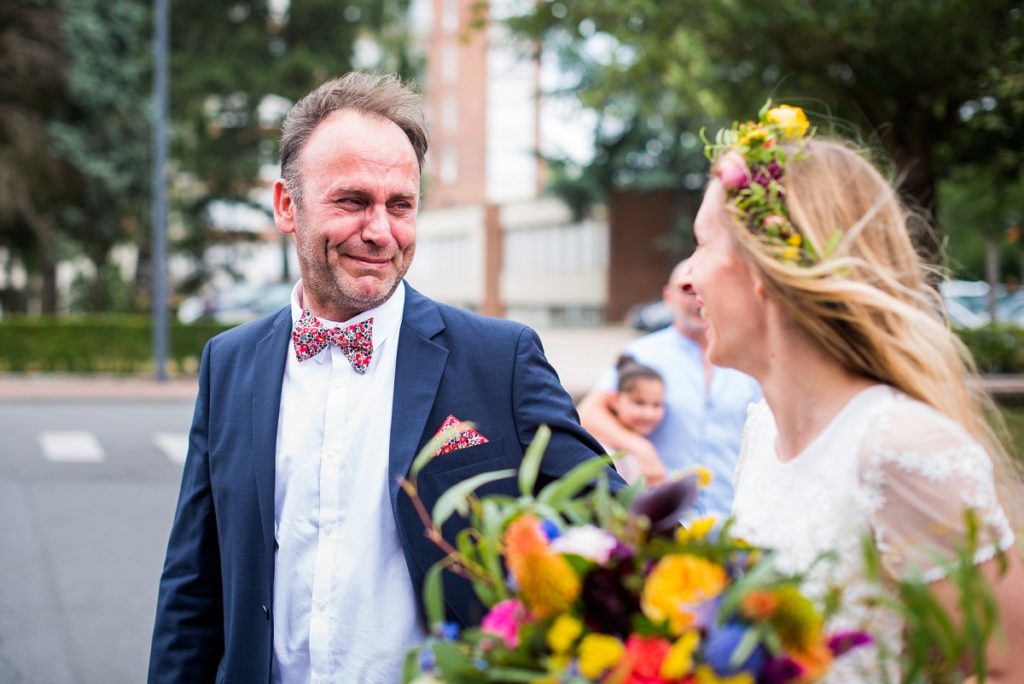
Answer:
(328, 531)
(321, 606)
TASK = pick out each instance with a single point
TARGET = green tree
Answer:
(104, 134)
(34, 71)
(235, 69)
(910, 74)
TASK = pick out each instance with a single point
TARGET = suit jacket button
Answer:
(266, 612)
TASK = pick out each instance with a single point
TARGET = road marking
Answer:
(173, 444)
(71, 446)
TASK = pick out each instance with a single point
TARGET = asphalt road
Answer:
(87, 494)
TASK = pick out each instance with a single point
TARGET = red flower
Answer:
(644, 656)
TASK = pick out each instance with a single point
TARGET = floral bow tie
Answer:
(310, 337)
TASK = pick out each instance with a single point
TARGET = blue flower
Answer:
(449, 631)
(720, 646)
(427, 660)
(551, 530)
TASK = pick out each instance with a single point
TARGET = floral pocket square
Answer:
(464, 438)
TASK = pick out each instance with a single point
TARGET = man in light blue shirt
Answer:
(706, 405)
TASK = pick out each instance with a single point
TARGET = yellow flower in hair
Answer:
(794, 240)
(791, 121)
(547, 583)
(679, 659)
(791, 254)
(675, 587)
(598, 653)
(565, 630)
(756, 133)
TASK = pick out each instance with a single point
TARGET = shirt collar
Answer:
(387, 318)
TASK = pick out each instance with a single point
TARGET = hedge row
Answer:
(106, 344)
(123, 344)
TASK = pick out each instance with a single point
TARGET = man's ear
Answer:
(284, 207)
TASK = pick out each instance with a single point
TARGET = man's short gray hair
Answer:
(384, 96)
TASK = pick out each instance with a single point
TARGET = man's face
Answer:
(682, 302)
(355, 228)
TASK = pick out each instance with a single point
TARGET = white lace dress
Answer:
(886, 465)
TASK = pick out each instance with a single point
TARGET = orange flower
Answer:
(815, 661)
(547, 583)
(676, 585)
(759, 605)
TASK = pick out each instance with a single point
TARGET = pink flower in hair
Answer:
(732, 170)
(774, 221)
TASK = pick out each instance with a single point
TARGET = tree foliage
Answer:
(936, 83)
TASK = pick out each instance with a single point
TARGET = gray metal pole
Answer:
(158, 264)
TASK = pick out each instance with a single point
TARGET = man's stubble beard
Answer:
(329, 284)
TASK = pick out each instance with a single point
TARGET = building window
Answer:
(449, 164)
(449, 114)
(449, 63)
(450, 16)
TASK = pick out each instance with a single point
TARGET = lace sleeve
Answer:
(919, 472)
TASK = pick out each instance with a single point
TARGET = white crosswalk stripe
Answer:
(71, 446)
(174, 445)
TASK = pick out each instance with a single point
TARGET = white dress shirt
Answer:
(344, 606)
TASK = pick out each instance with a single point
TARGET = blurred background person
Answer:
(639, 405)
(705, 406)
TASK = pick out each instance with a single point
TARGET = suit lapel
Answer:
(418, 371)
(269, 360)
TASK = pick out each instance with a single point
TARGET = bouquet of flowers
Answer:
(589, 585)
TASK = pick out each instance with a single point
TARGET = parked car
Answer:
(236, 303)
(649, 317)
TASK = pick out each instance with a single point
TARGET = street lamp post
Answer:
(161, 35)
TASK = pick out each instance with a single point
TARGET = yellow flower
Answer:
(676, 585)
(704, 475)
(697, 530)
(791, 254)
(565, 630)
(547, 583)
(797, 621)
(755, 133)
(791, 120)
(679, 660)
(705, 675)
(794, 240)
(599, 652)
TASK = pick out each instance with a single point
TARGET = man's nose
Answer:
(377, 228)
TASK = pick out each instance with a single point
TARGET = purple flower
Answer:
(842, 642)
(607, 604)
(665, 504)
(781, 671)
(720, 646)
(775, 170)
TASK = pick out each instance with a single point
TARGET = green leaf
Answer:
(455, 664)
(530, 465)
(515, 674)
(572, 483)
(833, 242)
(433, 594)
(751, 638)
(455, 499)
(430, 448)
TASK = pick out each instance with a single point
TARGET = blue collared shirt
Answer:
(703, 425)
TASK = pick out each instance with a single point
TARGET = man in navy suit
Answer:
(294, 556)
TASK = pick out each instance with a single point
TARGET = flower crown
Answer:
(749, 161)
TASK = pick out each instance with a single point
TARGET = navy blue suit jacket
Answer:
(213, 620)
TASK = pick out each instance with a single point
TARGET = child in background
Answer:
(639, 405)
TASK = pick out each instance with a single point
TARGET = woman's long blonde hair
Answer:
(870, 304)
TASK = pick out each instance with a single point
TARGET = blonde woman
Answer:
(809, 282)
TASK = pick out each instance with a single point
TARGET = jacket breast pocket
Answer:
(479, 458)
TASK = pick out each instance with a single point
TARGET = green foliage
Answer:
(996, 348)
(112, 344)
(937, 83)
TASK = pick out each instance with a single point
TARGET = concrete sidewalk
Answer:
(578, 354)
